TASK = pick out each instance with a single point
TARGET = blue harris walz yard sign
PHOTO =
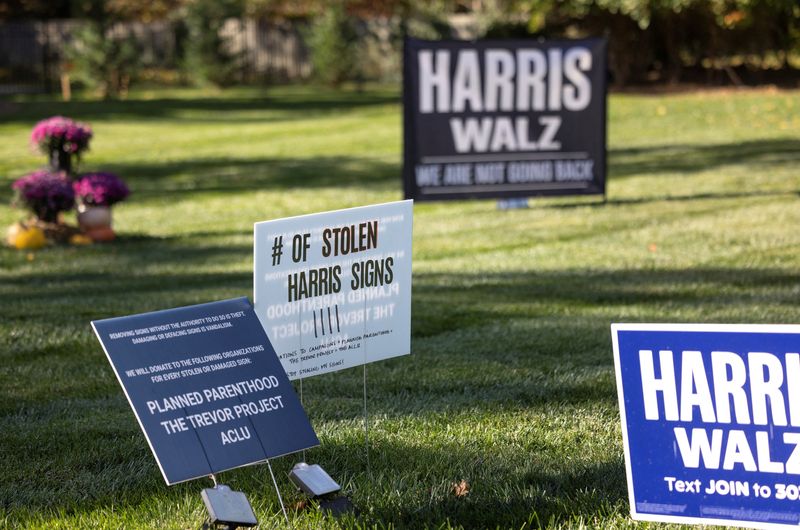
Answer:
(711, 422)
(206, 387)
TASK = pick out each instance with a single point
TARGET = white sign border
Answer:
(727, 328)
(348, 209)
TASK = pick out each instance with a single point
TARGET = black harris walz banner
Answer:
(504, 118)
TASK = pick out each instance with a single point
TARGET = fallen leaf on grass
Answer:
(460, 489)
(300, 505)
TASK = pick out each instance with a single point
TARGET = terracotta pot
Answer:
(93, 217)
(101, 234)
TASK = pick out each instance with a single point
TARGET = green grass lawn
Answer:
(510, 386)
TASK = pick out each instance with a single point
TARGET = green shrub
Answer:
(334, 46)
(208, 60)
(102, 60)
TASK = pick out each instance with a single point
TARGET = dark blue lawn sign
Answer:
(206, 387)
(711, 422)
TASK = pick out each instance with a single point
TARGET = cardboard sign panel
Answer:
(206, 387)
(711, 422)
(333, 290)
(504, 118)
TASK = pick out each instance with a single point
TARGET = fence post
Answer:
(46, 57)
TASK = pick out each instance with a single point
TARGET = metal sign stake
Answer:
(366, 417)
(302, 404)
(311, 479)
(300, 327)
(366, 422)
(280, 499)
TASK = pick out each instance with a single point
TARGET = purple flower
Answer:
(100, 189)
(45, 194)
(61, 134)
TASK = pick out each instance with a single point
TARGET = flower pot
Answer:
(101, 234)
(94, 217)
(61, 160)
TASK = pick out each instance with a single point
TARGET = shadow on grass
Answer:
(538, 499)
(499, 497)
(722, 195)
(551, 327)
(237, 174)
(107, 465)
(234, 175)
(509, 485)
(693, 158)
(176, 180)
(685, 160)
(132, 268)
(440, 305)
(442, 302)
(256, 108)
